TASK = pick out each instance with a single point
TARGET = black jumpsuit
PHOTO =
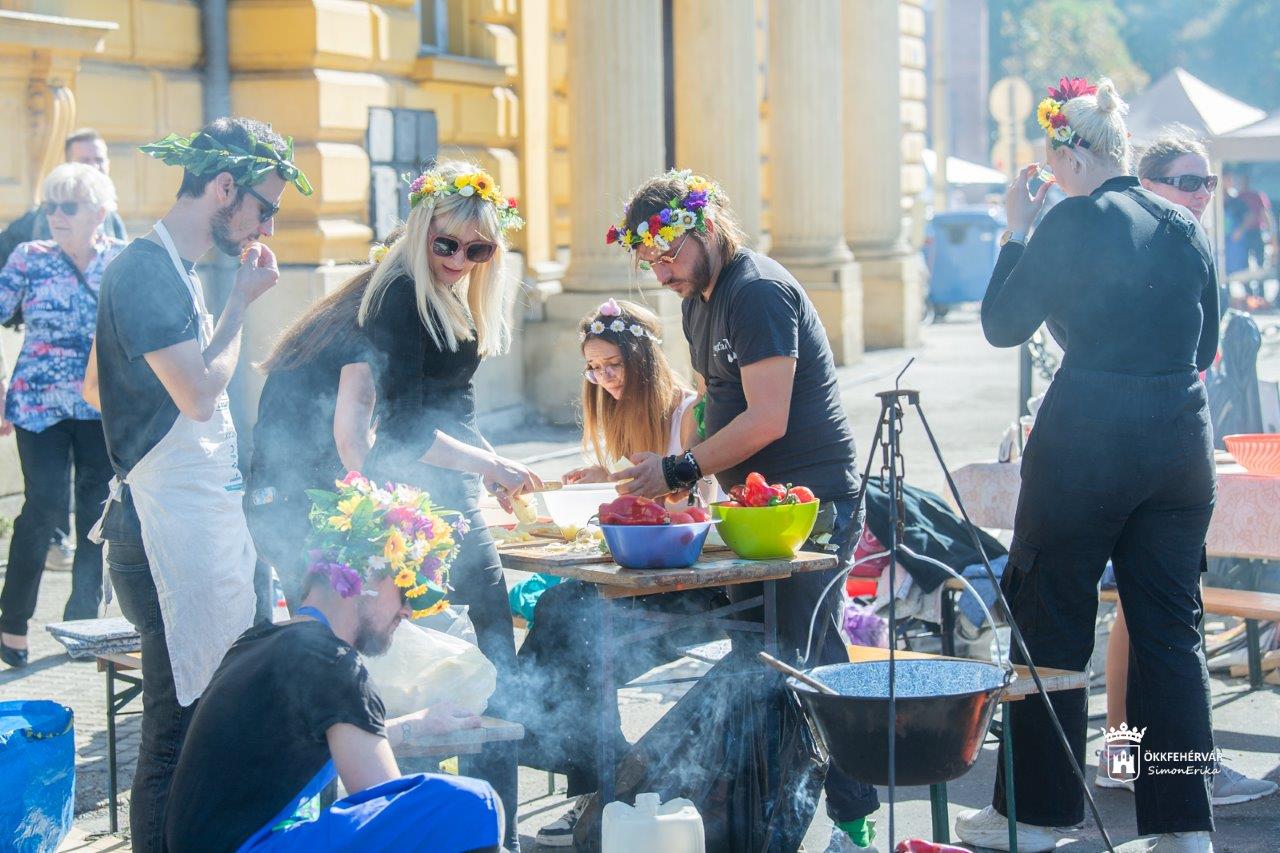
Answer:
(1120, 467)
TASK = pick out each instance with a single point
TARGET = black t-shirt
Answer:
(143, 307)
(757, 310)
(258, 733)
(1121, 292)
(293, 446)
(422, 387)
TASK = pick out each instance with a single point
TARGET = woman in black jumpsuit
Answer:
(1119, 466)
(435, 307)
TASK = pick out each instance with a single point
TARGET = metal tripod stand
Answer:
(887, 444)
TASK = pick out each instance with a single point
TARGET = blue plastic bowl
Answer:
(656, 546)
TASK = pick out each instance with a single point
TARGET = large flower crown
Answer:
(202, 154)
(610, 319)
(686, 212)
(432, 184)
(1051, 118)
(361, 532)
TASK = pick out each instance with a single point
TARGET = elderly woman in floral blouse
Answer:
(55, 284)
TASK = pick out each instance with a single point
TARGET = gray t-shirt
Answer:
(758, 310)
(143, 307)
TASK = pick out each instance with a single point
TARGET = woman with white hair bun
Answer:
(55, 285)
(1119, 467)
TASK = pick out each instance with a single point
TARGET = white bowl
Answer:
(575, 504)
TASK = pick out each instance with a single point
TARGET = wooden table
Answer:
(614, 583)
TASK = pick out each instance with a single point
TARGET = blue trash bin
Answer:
(962, 246)
(37, 774)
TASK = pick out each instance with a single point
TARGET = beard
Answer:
(221, 230)
(372, 640)
(699, 277)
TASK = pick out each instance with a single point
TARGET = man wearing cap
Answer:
(179, 552)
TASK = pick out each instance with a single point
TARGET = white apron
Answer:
(187, 491)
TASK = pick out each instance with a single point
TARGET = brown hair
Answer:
(84, 134)
(656, 194)
(331, 320)
(615, 429)
(1174, 142)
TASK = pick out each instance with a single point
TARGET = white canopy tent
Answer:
(1256, 143)
(962, 173)
(1180, 97)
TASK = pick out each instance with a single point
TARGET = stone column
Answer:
(616, 142)
(717, 115)
(873, 174)
(806, 164)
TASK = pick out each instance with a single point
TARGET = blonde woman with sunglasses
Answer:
(435, 308)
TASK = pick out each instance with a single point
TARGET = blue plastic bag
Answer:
(37, 773)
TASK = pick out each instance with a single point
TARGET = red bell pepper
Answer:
(633, 509)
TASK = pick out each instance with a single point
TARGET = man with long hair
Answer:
(179, 553)
(763, 361)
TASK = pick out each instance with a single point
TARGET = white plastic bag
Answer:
(425, 668)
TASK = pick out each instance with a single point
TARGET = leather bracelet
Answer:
(669, 473)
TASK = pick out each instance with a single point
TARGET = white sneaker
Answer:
(1232, 786)
(841, 843)
(1170, 842)
(989, 828)
(559, 833)
(61, 556)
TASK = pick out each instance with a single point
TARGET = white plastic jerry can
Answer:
(671, 827)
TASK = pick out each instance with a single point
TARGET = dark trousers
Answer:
(1117, 467)
(561, 702)
(47, 458)
(164, 721)
(476, 576)
(847, 798)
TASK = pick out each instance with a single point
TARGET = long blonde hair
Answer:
(486, 291)
(615, 429)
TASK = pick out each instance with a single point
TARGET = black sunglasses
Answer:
(268, 210)
(1190, 183)
(70, 208)
(478, 251)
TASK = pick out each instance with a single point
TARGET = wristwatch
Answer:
(1012, 236)
(681, 471)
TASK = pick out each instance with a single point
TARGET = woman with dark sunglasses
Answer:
(55, 284)
(435, 308)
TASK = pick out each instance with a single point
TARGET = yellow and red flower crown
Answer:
(432, 184)
(1051, 118)
(686, 212)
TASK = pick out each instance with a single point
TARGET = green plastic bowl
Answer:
(766, 532)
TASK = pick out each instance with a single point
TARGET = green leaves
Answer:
(201, 154)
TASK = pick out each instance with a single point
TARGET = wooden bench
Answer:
(116, 665)
(1252, 607)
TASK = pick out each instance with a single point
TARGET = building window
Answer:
(400, 142)
(433, 19)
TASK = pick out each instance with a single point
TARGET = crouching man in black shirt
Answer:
(290, 705)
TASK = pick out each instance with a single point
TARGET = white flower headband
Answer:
(618, 325)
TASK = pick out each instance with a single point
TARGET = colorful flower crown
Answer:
(432, 184)
(688, 212)
(609, 318)
(1049, 112)
(361, 532)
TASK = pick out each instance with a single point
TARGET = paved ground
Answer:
(969, 394)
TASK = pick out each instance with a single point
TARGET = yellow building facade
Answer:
(809, 112)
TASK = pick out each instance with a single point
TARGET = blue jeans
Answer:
(164, 721)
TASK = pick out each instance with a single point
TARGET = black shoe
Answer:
(16, 658)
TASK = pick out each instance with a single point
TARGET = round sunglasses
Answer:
(70, 208)
(597, 375)
(478, 251)
(1190, 183)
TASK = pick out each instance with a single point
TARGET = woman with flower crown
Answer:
(1119, 466)
(437, 305)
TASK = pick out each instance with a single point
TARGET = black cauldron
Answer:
(943, 710)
